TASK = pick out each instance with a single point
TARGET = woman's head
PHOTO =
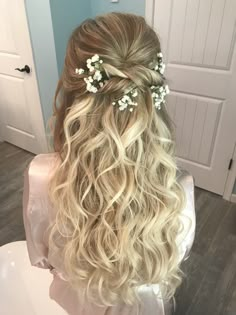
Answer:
(116, 194)
(128, 48)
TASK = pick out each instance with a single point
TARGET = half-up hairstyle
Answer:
(116, 194)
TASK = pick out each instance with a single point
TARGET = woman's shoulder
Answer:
(45, 158)
(43, 163)
(40, 170)
(185, 178)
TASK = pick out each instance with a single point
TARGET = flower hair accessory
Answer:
(95, 81)
(160, 66)
(127, 100)
(159, 93)
(98, 79)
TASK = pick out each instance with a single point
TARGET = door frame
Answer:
(32, 93)
(149, 11)
(39, 123)
(231, 177)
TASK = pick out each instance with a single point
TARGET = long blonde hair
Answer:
(117, 197)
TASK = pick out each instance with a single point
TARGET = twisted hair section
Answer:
(117, 198)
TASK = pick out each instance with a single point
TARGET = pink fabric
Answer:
(38, 213)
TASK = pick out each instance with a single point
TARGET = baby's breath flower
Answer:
(79, 71)
(97, 80)
(97, 76)
(95, 58)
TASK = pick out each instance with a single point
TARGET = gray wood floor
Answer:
(209, 287)
(13, 162)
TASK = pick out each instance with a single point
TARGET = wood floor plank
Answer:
(13, 162)
(195, 270)
(225, 281)
(210, 226)
(231, 301)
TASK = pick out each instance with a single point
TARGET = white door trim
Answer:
(228, 191)
(149, 11)
(233, 198)
(38, 119)
(229, 185)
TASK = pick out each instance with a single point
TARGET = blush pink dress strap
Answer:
(38, 213)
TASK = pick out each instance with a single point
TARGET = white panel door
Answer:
(198, 44)
(21, 121)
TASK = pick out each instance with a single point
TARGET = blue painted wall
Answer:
(50, 24)
(66, 16)
(130, 6)
(42, 40)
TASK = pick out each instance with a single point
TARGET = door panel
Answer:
(21, 120)
(198, 44)
(196, 120)
(15, 102)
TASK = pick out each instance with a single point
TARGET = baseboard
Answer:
(233, 198)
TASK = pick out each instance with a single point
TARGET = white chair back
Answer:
(24, 289)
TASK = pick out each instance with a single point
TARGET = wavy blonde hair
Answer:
(117, 197)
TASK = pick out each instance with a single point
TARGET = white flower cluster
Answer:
(79, 71)
(158, 93)
(160, 66)
(95, 81)
(93, 63)
(127, 100)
